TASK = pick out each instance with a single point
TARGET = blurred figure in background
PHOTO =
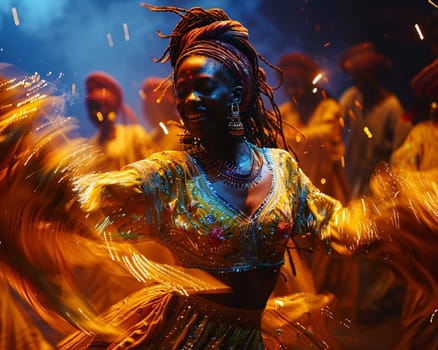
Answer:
(310, 109)
(160, 113)
(374, 129)
(313, 129)
(372, 114)
(419, 152)
(121, 143)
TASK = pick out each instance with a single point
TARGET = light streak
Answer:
(164, 128)
(317, 78)
(367, 132)
(279, 303)
(341, 122)
(420, 34)
(110, 40)
(126, 31)
(433, 315)
(15, 16)
(432, 3)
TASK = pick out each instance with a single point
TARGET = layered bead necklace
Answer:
(229, 172)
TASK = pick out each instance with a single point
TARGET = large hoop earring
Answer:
(235, 125)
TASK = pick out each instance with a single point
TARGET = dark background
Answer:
(64, 40)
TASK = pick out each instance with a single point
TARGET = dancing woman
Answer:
(226, 207)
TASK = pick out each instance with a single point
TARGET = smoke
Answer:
(36, 17)
(68, 39)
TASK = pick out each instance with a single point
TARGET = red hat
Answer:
(364, 58)
(101, 86)
(292, 61)
(104, 88)
(425, 83)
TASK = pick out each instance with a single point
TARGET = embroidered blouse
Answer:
(168, 197)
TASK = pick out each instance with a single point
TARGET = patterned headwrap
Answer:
(364, 58)
(212, 41)
(212, 33)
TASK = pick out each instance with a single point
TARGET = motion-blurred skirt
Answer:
(156, 319)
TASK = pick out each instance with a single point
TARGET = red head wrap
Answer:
(298, 63)
(425, 83)
(102, 87)
(363, 58)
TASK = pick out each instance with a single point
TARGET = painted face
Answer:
(203, 88)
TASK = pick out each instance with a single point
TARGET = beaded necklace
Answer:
(229, 172)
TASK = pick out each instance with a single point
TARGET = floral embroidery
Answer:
(283, 229)
(216, 235)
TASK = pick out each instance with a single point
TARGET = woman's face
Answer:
(204, 93)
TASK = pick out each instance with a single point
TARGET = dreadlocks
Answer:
(214, 34)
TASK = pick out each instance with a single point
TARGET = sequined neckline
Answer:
(240, 213)
(229, 172)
